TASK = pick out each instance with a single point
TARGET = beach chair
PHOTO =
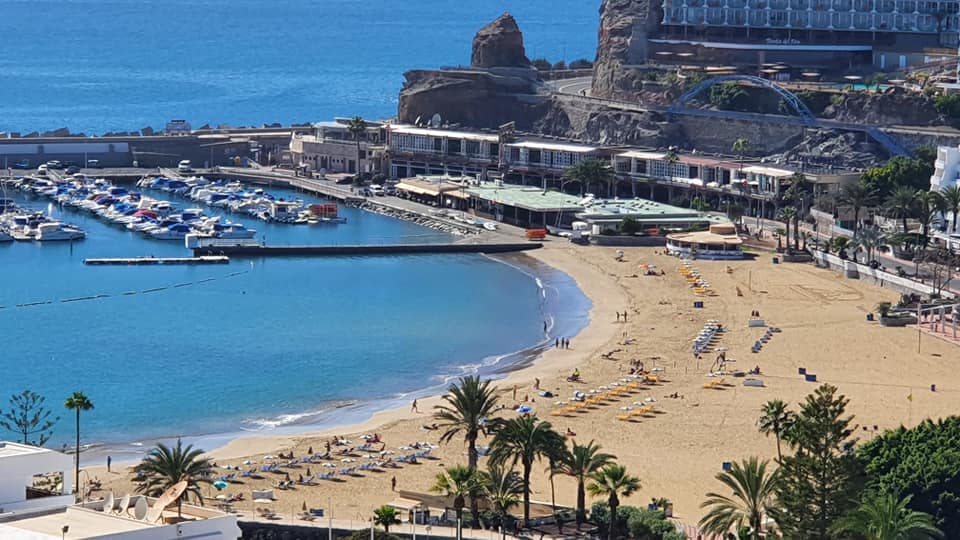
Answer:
(624, 417)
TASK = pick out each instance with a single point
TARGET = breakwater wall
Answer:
(363, 250)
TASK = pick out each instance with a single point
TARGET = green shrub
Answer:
(948, 105)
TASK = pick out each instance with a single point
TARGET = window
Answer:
(437, 144)
(472, 148)
(494, 150)
(453, 146)
(535, 157)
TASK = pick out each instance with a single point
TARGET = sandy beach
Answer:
(677, 451)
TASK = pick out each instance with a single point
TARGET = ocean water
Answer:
(101, 65)
(261, 345)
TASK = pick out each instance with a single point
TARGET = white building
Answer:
(416, 151)
(32, 478)
(36, 504)
(95, 520)
(946, 168)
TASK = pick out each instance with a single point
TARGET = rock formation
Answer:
(499, 44)
(500, 87)
(624, 26)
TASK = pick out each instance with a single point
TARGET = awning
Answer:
(404, 504)
(416, 189)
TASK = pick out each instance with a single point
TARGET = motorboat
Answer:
(55, 231)
(231, 231)
(177, 231)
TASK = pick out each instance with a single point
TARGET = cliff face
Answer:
(622, 40)
(499, 44)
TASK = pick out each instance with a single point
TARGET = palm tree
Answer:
(165, 466)
(776, 418)
(503, 487)
(902, 203)
(357, 127)
(582, 462)
(78, 401)
(931, 203)
(465, 408)
(858, 196)
(884, 517)
(870, 239)
(741, 146)
(671, 158)
(753, 497)
(612, 482)
(458, 482)
(524, 440)
(951, 199)
(385, 516)
(589, 172)
(788, 214)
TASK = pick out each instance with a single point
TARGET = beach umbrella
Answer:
(220, 484)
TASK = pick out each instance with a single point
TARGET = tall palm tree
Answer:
(464, 409)
(930, 204)
(458, 482)
(902, 204)
(165, 466)
(884, 517)
(79, 402)
(741, 146)
(589, 172)
(857, 196)
(951, 199)
(503, 487)
(870, 239)
(613, 482)
(524, 439)
(787, 214)
(357, 127)
(671, 158)
(582, 462)
(752, 498)
(776, 418)
(385, 516)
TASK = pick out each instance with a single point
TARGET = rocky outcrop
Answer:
(622, 41)
(499, 44)
(500, 87)
(894, 108)
(477, 99)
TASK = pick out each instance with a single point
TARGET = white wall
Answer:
(946, 168)
(17, 471)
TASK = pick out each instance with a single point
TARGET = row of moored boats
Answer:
(235, 197)
(24, 225)
(157, 219)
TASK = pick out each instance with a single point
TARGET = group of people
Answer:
(622, 316)
(561, 343)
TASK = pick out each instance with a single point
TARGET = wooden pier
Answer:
(363, 250)
(144, 261)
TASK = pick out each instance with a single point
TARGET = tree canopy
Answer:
(900, 171)
(922, 462)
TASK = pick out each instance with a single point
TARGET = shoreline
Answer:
(353, 416)
(545, 364)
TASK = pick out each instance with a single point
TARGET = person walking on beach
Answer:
(514, 392)
(556, 343)
(393, 484)
(618, 316)
(624, 315)
(109, 461)
(536, 383)
(414, 407)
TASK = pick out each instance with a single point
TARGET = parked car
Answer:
(377, 190)
(93, 163)
(72, 169)
(54, 164)
(390, 189)
(185, 166)
(22, 164)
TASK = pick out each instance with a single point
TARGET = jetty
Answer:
(143, 261)
(361, 250)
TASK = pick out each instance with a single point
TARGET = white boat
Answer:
(489, 226)
(55, 231)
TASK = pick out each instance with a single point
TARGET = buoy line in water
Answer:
(126, 293)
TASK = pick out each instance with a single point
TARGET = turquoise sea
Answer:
(261, 345)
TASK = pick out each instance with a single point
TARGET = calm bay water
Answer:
(264, 344)
(101, 65)
(261, 344)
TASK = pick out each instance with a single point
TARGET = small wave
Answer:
(264, 424)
